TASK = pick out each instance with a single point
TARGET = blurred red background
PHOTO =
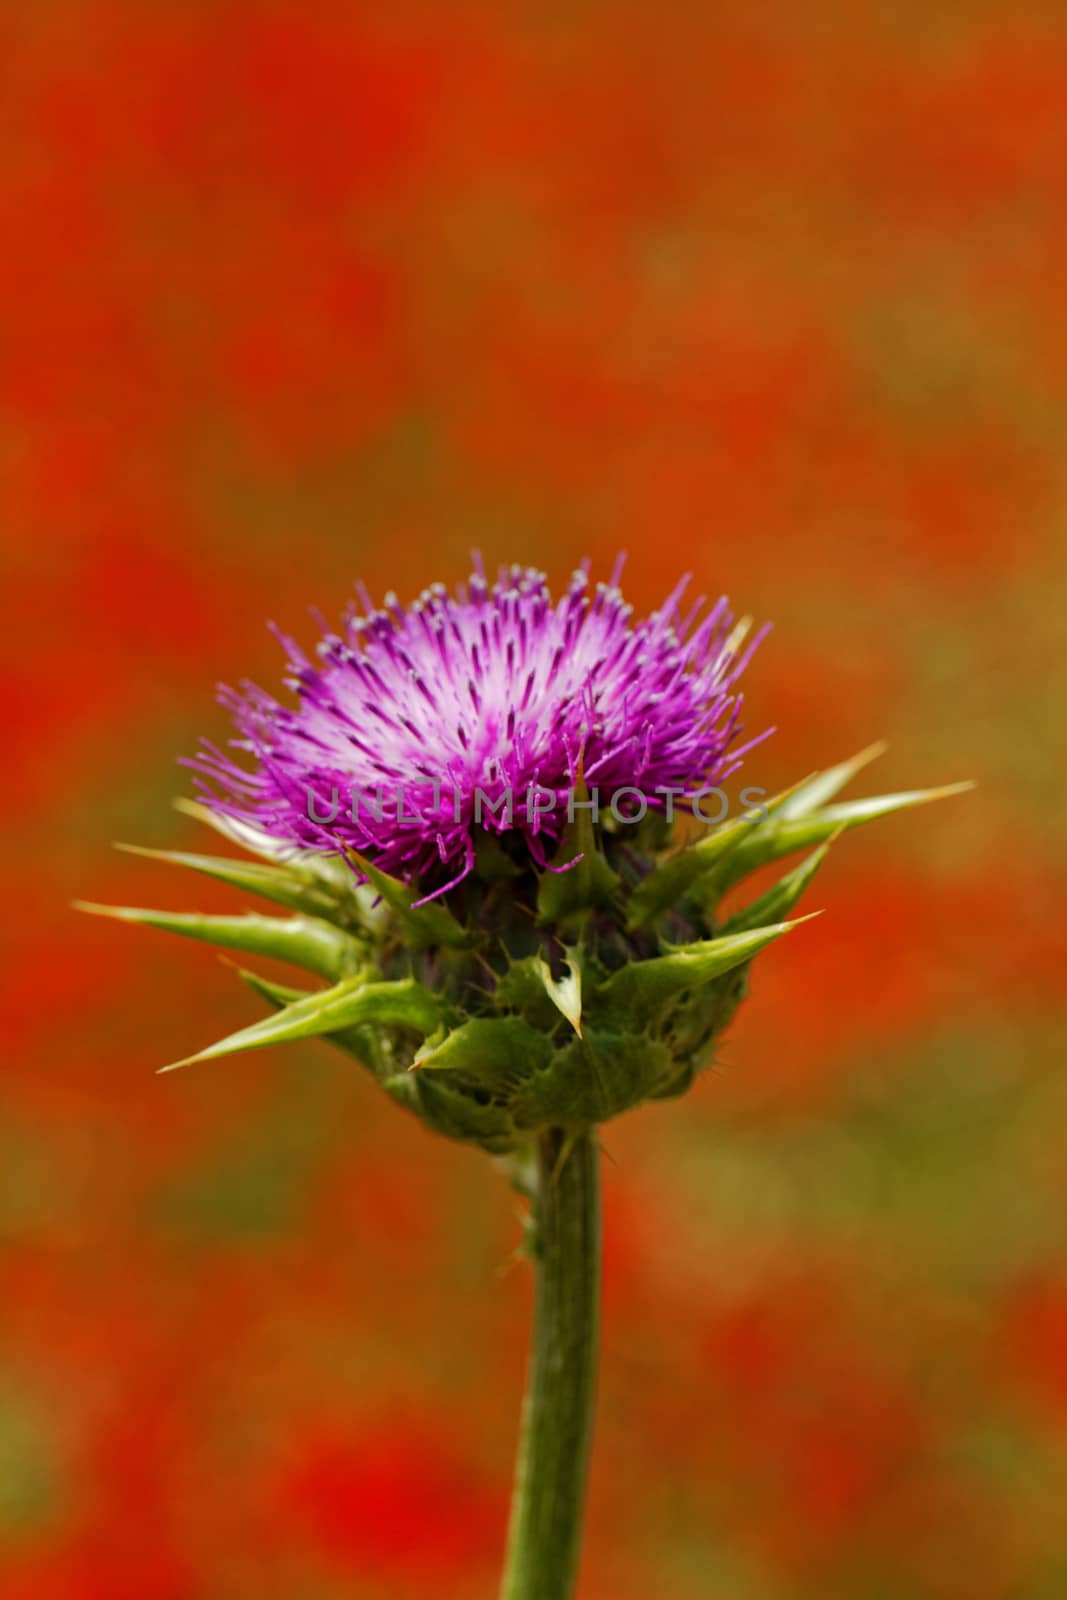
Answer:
(298, 295)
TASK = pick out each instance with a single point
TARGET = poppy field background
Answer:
(295, 295)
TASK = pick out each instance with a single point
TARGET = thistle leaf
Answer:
(676, 873)
(781, 836)
(641, 989)
(520, 988)
(822, 786)
(567, 891)
(779, 901)
(275, 994)
(592, 1079)
(257, 842)
(254, 840)
(565, 993)
(494, 1053)
(431, 924)
(304, 941)
(284, 883)
(362, 1040)
(348, 1003)
(448, 1110)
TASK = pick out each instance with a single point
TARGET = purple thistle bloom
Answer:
(481, 712)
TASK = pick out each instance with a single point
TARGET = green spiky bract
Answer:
(532, 1000)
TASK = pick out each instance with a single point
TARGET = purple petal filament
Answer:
(496, 690)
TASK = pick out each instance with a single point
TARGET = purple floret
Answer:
(413, 712)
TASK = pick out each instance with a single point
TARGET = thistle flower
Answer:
(466, 735)
(511, 1001)
(424, 726)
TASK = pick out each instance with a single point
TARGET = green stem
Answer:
(557, 1419)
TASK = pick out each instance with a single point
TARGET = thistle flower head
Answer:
(421, 727)
(535, 997)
